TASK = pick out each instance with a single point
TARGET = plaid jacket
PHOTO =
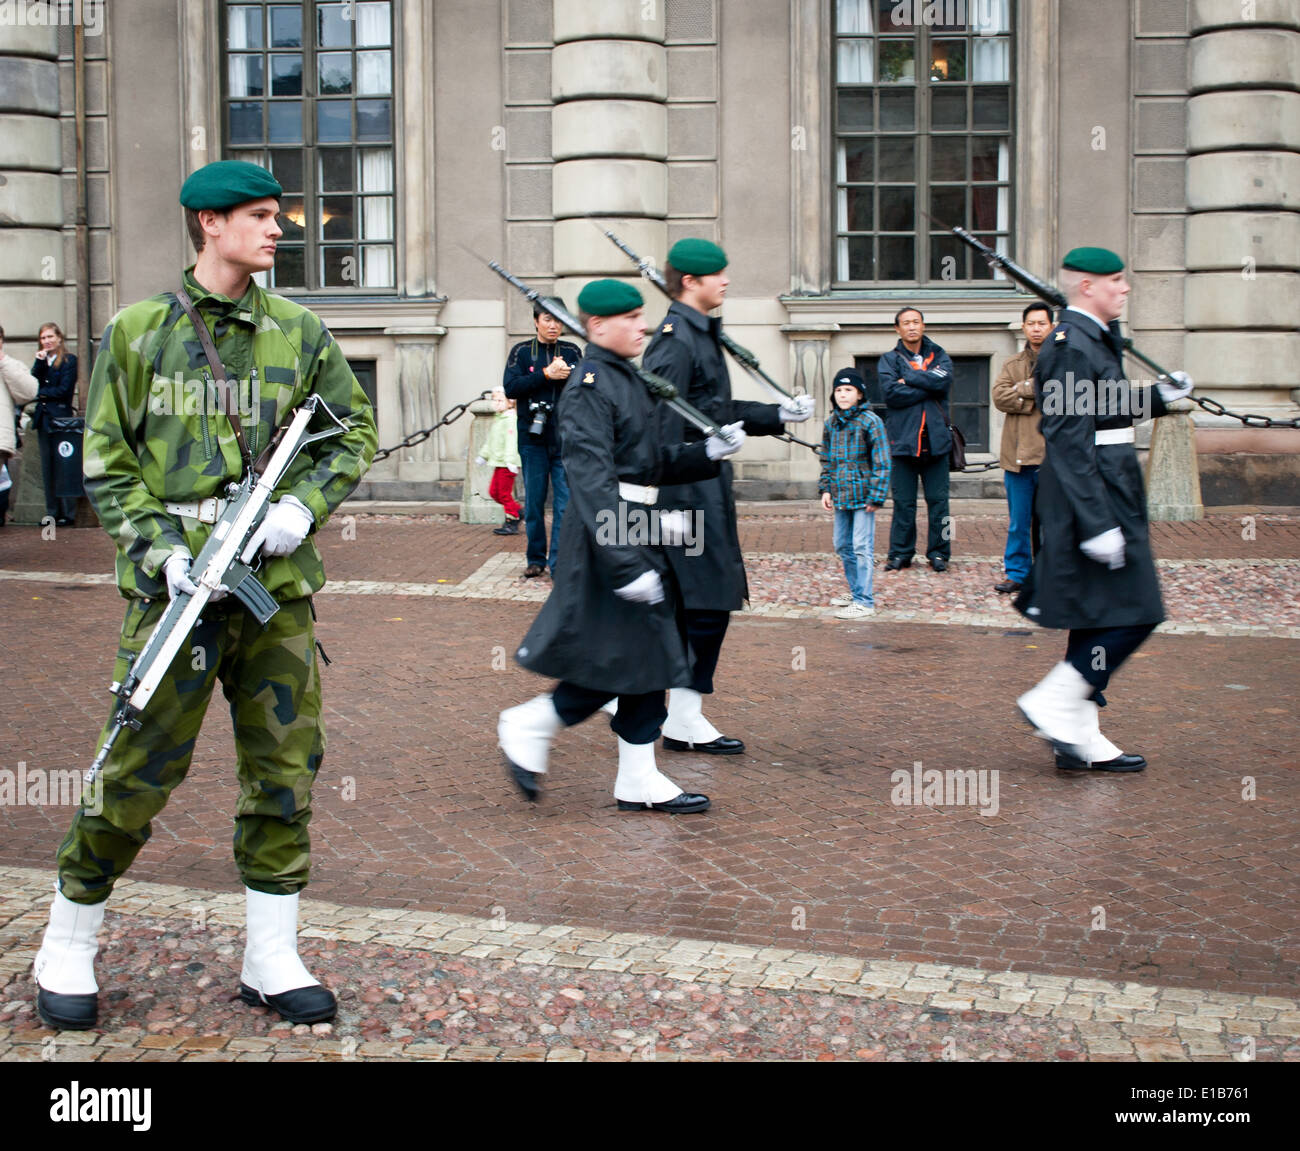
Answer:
(855, 458)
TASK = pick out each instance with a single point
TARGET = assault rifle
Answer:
(657, 386)
(222, 564)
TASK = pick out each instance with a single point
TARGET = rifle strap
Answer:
(224, 390)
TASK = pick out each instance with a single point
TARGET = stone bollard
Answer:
(476, 506)
(1173, 477)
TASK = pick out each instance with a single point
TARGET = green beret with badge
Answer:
(609, 298)
(1098, 261)
(225, 183)
(696, 257)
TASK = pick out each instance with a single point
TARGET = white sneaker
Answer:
(842, 601)
(855, 611)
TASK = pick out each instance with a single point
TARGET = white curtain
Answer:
(853, 17)
(842, 258)
(374, 73)
(991, 17)
(854, 64)
(990, 59)
(376, 175)
(237, 40)
(377, 267)
(376, 170)
(372, 25)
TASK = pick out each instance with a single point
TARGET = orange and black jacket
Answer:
(916, 394)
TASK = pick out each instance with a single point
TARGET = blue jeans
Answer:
(855, 540)
(541, 466)
(1021, 487)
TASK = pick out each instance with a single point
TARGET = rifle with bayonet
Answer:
(657, 386)
(225, 564)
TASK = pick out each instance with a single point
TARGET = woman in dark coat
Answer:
(1094, 573)
(612, 626)
(55, 370)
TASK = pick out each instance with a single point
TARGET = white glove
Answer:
(1177, 387)
(176, 571)
(646, 588)
(480, 461)
(282, 529)
(1107, 548)
(797, 410)
(716, 448)
(673, 528)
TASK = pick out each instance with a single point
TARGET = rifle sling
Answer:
(224, 389)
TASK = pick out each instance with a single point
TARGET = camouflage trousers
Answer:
(270, 679)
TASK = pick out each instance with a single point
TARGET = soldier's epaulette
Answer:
(589, 378)
(666, 328)
(1062, 332)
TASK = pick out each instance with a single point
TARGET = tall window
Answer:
(923, 122)
(309, 95)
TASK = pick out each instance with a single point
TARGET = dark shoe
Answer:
(509, 528)
(1006, 587)
(723, 745)
(528, 782)
(894, 563)
(67, 1012)
(939, 564)
(683, 804)
(533, 570)
(313, 1004)
(1067, 762)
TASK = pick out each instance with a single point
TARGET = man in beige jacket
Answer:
(17, 387)
(1022, 444)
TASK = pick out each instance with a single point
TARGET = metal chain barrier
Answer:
(1251, 421)
(453, 414)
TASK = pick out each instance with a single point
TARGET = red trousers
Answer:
(502, 490)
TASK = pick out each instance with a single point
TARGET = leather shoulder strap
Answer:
(224, 389)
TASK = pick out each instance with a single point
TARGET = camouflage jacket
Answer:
(155, 433)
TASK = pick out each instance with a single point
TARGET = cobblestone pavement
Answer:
(813, 913)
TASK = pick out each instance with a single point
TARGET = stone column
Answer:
(609, 137)
(1243, 193)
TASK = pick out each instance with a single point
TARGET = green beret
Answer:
(609, 298)
(225, 183)
(697, 257)
(1099, 261)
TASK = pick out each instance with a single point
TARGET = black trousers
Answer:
(1096, 653)
(640, 718)
(705, 631)
(932, 471)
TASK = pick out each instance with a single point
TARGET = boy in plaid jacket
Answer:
(854, 480)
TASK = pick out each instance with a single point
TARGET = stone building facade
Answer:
(807, 136)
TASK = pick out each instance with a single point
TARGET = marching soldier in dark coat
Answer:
(1094, 574)
(686, 350)
(611, 627)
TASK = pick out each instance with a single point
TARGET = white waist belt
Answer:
(205, 511)
(1115, 436)
(638, 493)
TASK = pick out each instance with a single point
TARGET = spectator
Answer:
(19, 389)
(501, 453)
(55, 370)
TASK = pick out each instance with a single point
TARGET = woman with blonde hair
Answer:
(55, 369)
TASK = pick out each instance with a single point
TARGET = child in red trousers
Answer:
(501, 453)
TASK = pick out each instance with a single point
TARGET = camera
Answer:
(541, 409)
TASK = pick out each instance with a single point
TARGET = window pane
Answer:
(947, 257)
(286, 166)
(947, 108)
(334, 73)
(376, 217)
(376, 170)
(897, 61)
(992, 108)
(855, 209)
(984, 157)
(374, 73)
(244, 27)
(988, 207)
(333, 28)
(856, 161)
(336, 218)
(853, 64)
(948, 205)
(898, 159)
(377, 266)
(898, 110)
(855, 261)
(948, 60)
(335, 169)
(897, 210)
(333, 120)
(338, 267)
(991, 60)
(892, 16)
(373, 21)
(980, 269)
(374, 119)
(855, 111)
(244, 123)
(286, 27)
(290, 268)
(286, 75)
(897, 258)
(291, 219)
(948, 158)
(853, 16)
(286, 122)
(244, 74)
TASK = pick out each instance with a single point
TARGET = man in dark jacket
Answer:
(915, 377)
(686, 350)
(1095, 574)
(535, 373)
(611, 626)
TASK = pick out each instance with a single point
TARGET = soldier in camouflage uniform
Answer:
(158, 454)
